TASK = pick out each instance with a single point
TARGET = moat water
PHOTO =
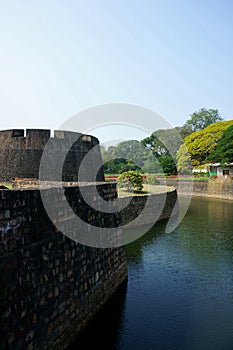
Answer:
(179, 293)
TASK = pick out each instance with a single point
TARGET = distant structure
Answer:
(21, 152)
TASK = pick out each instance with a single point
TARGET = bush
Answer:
(152, 180)
(132, 180)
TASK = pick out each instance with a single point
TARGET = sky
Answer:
(58, 58)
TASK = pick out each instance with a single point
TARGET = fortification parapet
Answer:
(21, 152)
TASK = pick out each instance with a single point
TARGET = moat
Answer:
(179, 293)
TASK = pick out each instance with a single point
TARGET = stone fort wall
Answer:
(51, 286)
(21, 152)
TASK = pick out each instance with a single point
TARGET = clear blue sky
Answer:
(60, 57)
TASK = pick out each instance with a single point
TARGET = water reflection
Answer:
(106, 328)
(180, 287)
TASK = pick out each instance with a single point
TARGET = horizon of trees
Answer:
(170, 150)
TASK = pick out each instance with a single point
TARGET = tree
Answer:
(152, 165)
(202, 118)
(184, 164)
(200, 144)
(163, 145)
(168, 165)
(224, 150)
(183, 131)
(159, 141)
(127, 155)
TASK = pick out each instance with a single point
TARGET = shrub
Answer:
(132, 180)
(152, 180)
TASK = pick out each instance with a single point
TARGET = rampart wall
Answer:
(21, 152)
(51, 286)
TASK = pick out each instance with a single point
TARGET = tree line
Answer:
(205, 137)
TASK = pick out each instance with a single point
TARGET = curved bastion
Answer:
(52, 285)
(21, 152)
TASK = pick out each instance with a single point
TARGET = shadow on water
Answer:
(105, 329)
(179, 293)
(135, 249)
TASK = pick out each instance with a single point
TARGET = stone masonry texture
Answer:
(217, 188)
(51, 286)
(21, 152)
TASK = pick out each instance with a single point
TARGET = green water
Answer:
(179, 293)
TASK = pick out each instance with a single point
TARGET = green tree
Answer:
(127, 155)
(158, 141)
(183, 131)
(168, 165)
(152, 165)
(200, 144)
(163, 144)
(202, 118)
(224, 149)
(184, 164)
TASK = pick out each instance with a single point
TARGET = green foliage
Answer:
(183, 131)
(202, 118)
(117, 166)
(163, 148)
(158, 141)
(184, 165)
(131, 180)
(152, 165)
(127, 155)
(168, 165)
(149, 155)
(152, 180)
(224, 150)
(200, 144)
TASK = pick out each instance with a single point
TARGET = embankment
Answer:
(217, 188)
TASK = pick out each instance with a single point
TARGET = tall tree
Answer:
(200, 144)
(184, 164)
(202, 118)
(224, 150)
(161, 140)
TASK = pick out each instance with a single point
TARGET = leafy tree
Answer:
(224, 150)
(119, 165)
(162, 159)
(202, 118)
(168, 165)
(127, 155)
(131, 180)
(183, 131)
(132, 150)
(200, 144)
(184, 165)
(157, 142)
(152, 165)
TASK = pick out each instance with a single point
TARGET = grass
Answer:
(147, 189)
(189, 178)
(6, 184)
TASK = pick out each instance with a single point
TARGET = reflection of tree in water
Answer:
(104, 331)
(135, 249)
(206, 232)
